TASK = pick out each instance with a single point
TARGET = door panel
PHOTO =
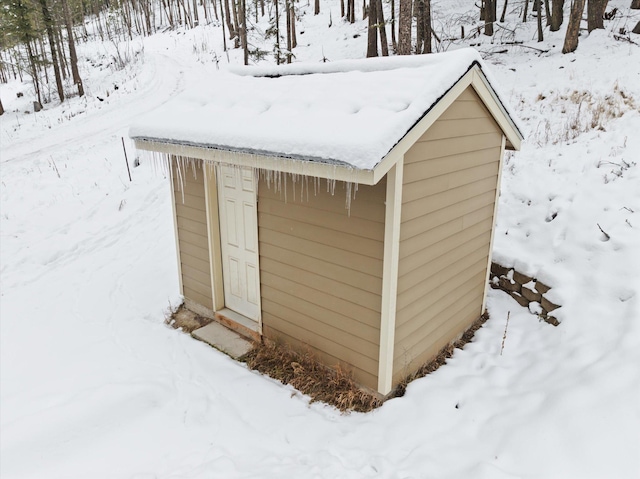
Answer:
(239, 240)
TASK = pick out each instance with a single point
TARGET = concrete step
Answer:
(223, 339)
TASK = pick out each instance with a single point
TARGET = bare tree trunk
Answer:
(288, 12)
(73, 57)
(196, 18)
(34, 72)
(294, 38)
(48, 23)
(635, 5)
(243, 31)
(224, 34)
(316, 6)
(489, 17)
(525, 11)
(419, 12)
(636, 29)
(573, 28)
(372, 32)
(595, 14)
(404, 28)
(64, 68)
(1, 108)
(394, 43)
(236, 23)
(382, 27)
(428, 29)
(342, 12)
(557, 15)
(352, 11)
(227, 15)
(278, 57)
(547, 12)
(538, 4)
(504, 11)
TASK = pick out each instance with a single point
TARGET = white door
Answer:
(239, 240)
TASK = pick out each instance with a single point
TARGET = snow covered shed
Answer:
(347, 207)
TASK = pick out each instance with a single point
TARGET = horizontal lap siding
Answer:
(193, 243)
(321, 272)
(450, 178)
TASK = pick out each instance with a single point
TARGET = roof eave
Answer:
(330, 171)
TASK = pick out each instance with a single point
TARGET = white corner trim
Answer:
(169, 160)
(493, 226)
(390, 277)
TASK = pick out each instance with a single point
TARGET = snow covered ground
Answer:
(94, 385)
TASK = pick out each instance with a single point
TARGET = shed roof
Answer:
(347, 113)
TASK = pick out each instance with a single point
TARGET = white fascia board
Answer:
(275, 163)
(494, 105)
(413, 135)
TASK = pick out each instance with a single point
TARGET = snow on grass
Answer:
(95, 385)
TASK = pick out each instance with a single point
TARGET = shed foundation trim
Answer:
(390, 277)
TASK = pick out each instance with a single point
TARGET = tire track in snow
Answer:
(167, 80)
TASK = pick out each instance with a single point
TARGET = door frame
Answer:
(211, 173)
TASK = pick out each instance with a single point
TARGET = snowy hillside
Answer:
(95, 385)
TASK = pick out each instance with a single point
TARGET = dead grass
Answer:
(336, 386)
(185, 320)
(305, 373)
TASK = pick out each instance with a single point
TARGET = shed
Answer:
(344, 207)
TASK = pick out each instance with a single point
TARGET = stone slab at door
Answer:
(237, 202)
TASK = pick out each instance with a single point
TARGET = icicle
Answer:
(179, 168)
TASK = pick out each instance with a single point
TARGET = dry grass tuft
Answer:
(186, 320)
(306, 374)
(441, 358)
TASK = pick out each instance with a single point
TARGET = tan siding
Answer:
(455, 231)
(431, 203)
(192, 234)
(462, 209)
(461, 127)
(461, 315)
(418, 337)
(321, 270)
(413, 190)
(338, 242)
(447, 215)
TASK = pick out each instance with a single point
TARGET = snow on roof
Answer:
(348, 112)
